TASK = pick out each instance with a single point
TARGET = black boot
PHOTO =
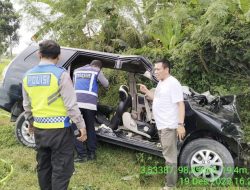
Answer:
(92, 156)
(80, 159)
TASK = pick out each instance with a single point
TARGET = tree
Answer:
(73, 23)
(9, 23)
(215, 52)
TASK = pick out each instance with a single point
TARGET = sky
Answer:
(28, 25)
(24, 32)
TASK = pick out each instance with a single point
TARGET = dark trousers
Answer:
(55, 158)
(89, 146)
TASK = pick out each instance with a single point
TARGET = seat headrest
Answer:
(123, 92)
(123, 87)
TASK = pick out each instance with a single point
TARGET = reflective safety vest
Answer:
(86, 86)
(47, 106)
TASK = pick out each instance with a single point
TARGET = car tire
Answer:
(212, 159)
(21, 132)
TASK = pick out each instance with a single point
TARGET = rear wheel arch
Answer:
(214, 136)
(21, 132)
(16, 110)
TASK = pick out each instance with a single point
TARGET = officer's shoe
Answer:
(92, 156)
(80, 159)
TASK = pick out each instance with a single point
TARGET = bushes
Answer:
(214, 52)
(243, 106)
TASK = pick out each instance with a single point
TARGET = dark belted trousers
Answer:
(89, 146)
(55, 157)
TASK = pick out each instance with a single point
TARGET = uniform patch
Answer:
(39, 80)
(83, 75)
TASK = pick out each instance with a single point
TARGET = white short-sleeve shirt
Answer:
(165, 109)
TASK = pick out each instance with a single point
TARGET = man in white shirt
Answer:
(169, 113)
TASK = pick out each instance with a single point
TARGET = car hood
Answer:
(220, 112)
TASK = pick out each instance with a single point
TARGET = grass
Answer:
(113, 164)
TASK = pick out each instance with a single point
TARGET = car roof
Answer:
(76, 57)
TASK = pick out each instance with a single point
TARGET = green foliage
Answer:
(152, 53)
(214, 55)
(148, 160)
(244, 5)
(216, 50)
(117, 31)
(7, 139)
(111, 96)
(243, 106)
(166, 24)
(212, 50)
(74, 23)
(64, 22)
(9, 23)
(4, 170)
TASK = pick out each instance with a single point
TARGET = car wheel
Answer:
(206, 159)
(22, 133)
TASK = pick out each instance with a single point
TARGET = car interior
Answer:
(130, 99)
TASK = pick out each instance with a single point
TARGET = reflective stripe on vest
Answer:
(49, 119)
(47, 106)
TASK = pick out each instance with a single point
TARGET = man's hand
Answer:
(83, 136)
(143, 88)
(149, 95)
(181, 132)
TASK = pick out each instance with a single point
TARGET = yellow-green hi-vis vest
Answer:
(47, 107)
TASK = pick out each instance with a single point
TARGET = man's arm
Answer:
(103, 80)
(147, 92)
(69, 98)
(177, 98)
(181, 108)
(27, 106)
(27, 110)
(181, 129)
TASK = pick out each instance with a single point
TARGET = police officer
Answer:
(86, 87)
(49, 102)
